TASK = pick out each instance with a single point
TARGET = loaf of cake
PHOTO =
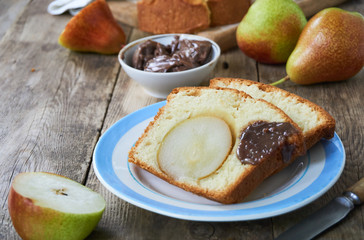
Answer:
(188, 16)
(219, 143)
(173, 16)
(314, 121)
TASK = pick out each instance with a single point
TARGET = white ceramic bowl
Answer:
(161, 84)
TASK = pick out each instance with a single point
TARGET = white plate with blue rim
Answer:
(305, 180)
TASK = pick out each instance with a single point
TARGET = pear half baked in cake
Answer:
(219, 143)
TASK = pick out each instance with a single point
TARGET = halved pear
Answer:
(93, 29)
(49, 206)
(195, 148)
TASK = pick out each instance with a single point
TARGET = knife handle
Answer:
(358, 190)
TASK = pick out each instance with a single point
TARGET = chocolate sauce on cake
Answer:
(180, 55)
(262, 139)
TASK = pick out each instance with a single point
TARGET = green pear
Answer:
(270, 30)
(330, 48)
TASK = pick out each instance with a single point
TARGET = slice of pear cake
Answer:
(313, 120)
(219, 143)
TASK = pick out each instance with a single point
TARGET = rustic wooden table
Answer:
(55, 105)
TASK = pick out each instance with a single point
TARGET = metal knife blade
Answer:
(327, 216)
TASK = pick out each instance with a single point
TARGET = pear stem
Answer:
(280, 81)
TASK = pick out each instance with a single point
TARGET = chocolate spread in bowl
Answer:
(261, 139)
(180, 55)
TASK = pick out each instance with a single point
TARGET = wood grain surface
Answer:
(55, 105)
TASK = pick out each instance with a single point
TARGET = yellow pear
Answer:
(330, 48)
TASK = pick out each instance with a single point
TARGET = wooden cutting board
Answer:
(126, 12)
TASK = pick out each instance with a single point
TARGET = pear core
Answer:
(195, 148)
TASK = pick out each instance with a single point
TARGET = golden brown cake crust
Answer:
(173, 16)
(188, 16)
(325, 129)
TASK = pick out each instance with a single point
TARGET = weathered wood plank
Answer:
(235, 64)
(24, 101)
(53, 102)
(9, 13)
